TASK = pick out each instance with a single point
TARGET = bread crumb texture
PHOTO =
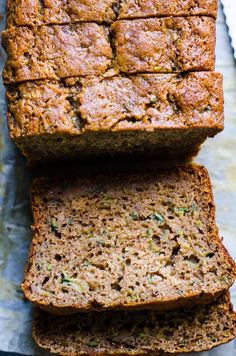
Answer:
(137, 333)
(144, 241)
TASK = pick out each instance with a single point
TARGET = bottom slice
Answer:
(137, 332)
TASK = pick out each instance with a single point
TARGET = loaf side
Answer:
(151, 112)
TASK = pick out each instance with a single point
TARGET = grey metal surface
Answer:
(229, 7)
(218, 155)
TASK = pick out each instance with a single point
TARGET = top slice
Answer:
(175, 44)
(37, 12)
(128, 241)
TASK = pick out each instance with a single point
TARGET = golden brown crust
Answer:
(202, 295)
(136, 102)
(56, 51)
(92, 116)
(148, 8)
(175, 44)
(36, 12)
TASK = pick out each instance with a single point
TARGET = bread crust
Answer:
(121, 114)
(176, 44)
(34, 12)
(56, 51)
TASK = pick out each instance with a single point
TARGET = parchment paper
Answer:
(218, 155)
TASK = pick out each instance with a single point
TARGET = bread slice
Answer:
(171, 44)
(161, 114)
(175, 44)
(138, 332)
(148, 8)
(36, 12)
(128, 241)
(56, 51)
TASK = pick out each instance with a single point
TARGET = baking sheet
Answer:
(218, 155)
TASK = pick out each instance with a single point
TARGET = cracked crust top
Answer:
(142, 102)
(175, 44)
(36, 12)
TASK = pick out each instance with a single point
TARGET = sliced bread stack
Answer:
(120, 264)
(119, 244)
(137, 333)
(91, 78)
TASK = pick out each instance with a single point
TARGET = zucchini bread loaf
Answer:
(37, 12)
(163, 114)
(128, 241)
(137, 333)
(175, 44)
